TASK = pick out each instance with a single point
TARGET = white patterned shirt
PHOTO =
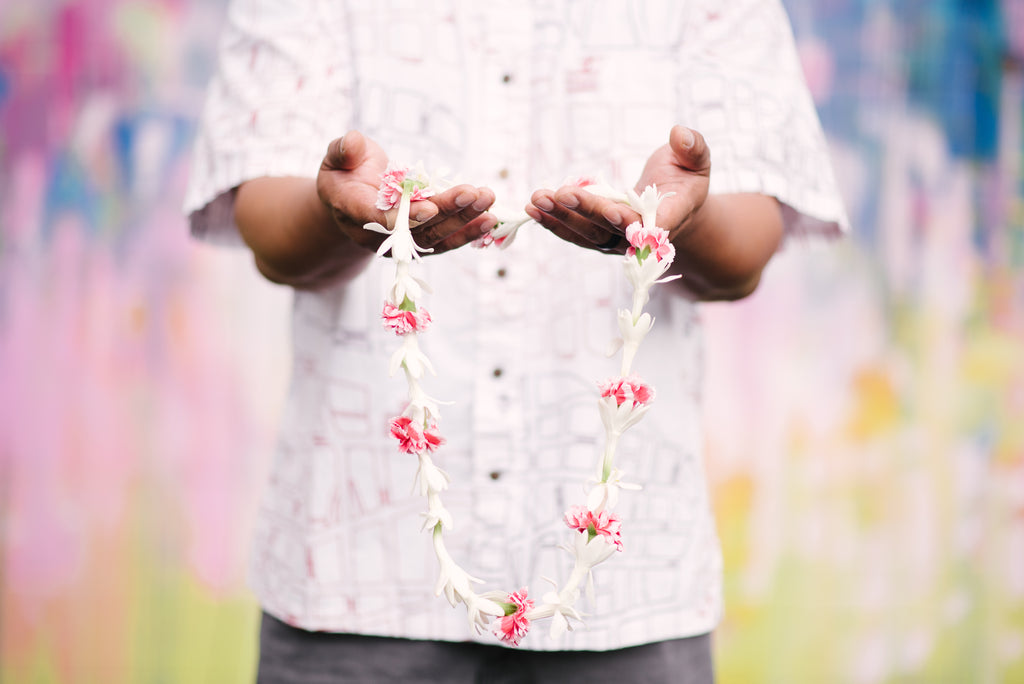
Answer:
(513, 95)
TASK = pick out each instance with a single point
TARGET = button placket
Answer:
(497, 420)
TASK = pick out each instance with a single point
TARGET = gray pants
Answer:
(295, 656)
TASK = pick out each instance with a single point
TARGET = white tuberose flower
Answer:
(643, 275)
(509, 222)
(604, 495)
(455, 584)
(436, 514)
(406, 285)
(429, 478)
(646, 203)
(618, 418)
(409, 354)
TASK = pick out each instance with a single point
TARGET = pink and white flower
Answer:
(396, 179)
(409, 435)
(604, 524)
(514, 625)
(647, 240)
(402, 321)
(627, 389)
(432, 436)
(413, 437)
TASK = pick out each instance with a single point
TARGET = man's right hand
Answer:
(347, 184)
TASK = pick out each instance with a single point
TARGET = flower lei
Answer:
(623, 401)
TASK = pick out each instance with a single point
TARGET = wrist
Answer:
(292, 235)
(725, 244)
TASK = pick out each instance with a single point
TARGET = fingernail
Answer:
(687, 137)
(420, 214)
(532, 212)
(464, 200)
(613, 217)
(544, 204)
(481, 204)
(569, 201)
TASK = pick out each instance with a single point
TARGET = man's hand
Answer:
(347, 185)
(722, 242)
(309, 233)
(683, 167)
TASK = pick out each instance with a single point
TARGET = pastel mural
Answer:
(871, 506)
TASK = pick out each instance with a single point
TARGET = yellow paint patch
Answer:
(876, 406)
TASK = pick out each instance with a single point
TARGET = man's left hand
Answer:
(682, 167)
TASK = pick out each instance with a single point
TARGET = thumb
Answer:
(690, 149)
(346, 153)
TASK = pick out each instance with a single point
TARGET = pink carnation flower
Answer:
(605, 523)
(654, 239)
(413, 438)
(409, 435)
(630, 389)
(578, 518)
(432, 436)
(512, 628)
(404, 322)
(488, 239)
(390, 192)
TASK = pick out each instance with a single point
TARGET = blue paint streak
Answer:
(5, 85)
(70, 191)
(955, 60)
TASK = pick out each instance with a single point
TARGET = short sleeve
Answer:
(282, 91)
(743, 88)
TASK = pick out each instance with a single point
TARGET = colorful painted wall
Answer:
(871, 505)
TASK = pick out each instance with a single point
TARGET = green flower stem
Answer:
(610, 443)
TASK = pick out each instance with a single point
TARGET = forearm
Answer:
(726, 245)
(292, 236)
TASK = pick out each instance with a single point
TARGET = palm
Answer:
(689, 188)
(595, 222)
(348, 183)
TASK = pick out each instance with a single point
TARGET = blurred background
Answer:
(865, 406)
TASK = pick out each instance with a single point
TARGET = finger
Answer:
(346, 153)
(557, 227)
(469, 232)
(608, 214)
(455, 208)
(355, 203)
(690, 149)
(593, 229)
(456, 199)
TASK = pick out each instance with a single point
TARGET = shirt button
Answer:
(496, 372)
(503, 174)
(502, 273)
(495, 474)
(506, 78)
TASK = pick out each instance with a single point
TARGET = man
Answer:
(515, 96)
